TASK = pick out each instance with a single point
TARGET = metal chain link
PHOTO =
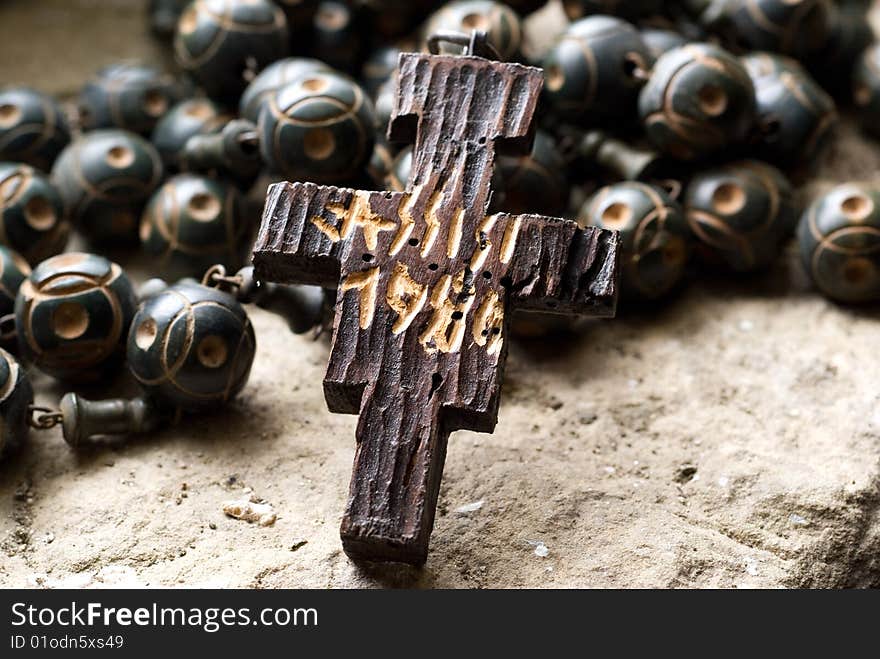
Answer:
(43, 418)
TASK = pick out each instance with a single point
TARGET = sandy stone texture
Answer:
(728, 438)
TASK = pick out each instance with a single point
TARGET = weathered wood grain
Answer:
(426, 281)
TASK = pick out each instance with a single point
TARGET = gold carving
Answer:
(445, 330)
(508, 243)
(366, 281)
(454, 239)
(405, 296)
(487, 323)
(361, 214)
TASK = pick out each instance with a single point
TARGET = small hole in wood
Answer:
(496, 330)
(433, 266)
(485, 332)
(487, 274)
(436, 381)
(388, 195)
(367, 257)
(482, 140)
(457, 315)
(413, 241)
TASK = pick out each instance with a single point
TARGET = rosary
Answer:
(688, 120)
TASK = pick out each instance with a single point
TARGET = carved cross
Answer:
(426, 284)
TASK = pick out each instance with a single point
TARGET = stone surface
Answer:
(729, 438)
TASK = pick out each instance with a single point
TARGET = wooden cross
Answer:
(426, 283)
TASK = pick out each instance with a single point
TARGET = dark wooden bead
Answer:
(740, 213)
(275, 76)
(222, 44)
(320, 128)
(839, 237)
(628, 9)
(534, 183)
(501, 23)
(32, 218)
(698, 100)
(661, 41)
(337, 37)
(866, 88)
(193, 222)
(33, 128)
(654, 237)
(796, 116)
(593, 70)
(13, 271)
(128, 96)
(782, 26)
(196, 116)
(191, 347)
(72, 315)
(105, 178)
(16, 396)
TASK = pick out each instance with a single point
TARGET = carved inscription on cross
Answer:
(426, 283)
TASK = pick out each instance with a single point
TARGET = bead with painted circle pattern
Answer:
(222, 44)
(740, 214)
(191, 347)
(32, 217)
(192, 222)
(129, 96)
(72, 316)
(839, 236)
(698, 100)
(105, 177)
(33, 128)
(793, 27)
(320, 128)
(275, 76)
(796, 117)
(654, 237)
(595, 70)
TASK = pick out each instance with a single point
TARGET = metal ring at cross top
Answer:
(476, 43)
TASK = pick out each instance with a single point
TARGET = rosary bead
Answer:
(318, 129)
(72, 315)
(594, 70)
(32, 220)
(795, 115)
(866, 88)
(193, 222)
(191, 347)
(336, 37)
(128, 96)
(839, 236)
(795, 28)
(16, 397)
(105, 178)
(223, 43)
(275, 76)
(501, 24)
(698, 100)
(13, 271)
(740, 213)
(33, 128)
(196, 116)
(535, 183)
(653, 231)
